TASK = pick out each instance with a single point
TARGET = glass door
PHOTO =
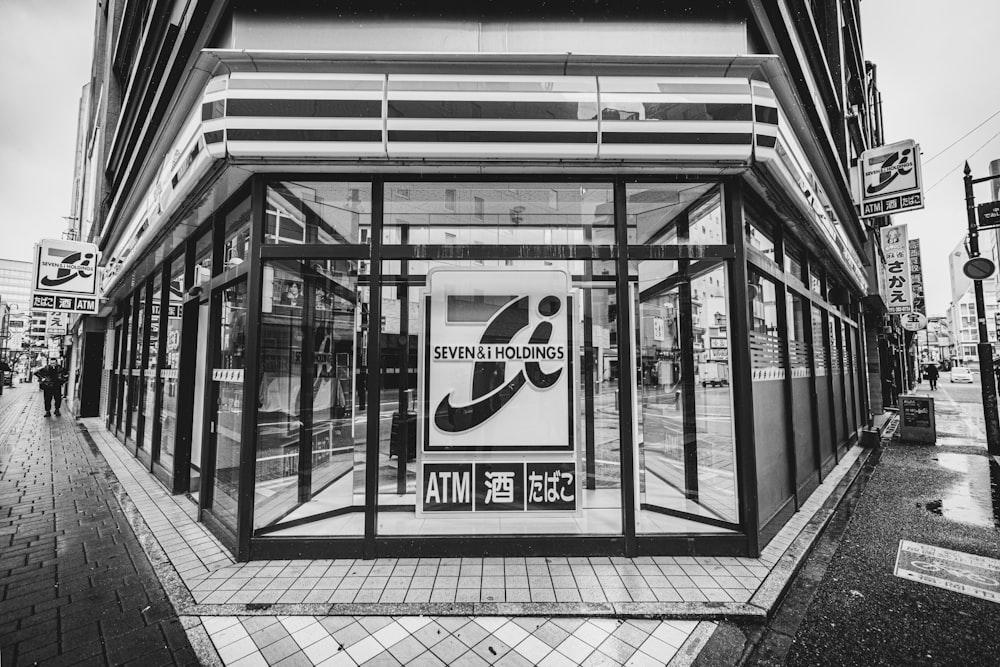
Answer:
(311, 400)
(225, 418)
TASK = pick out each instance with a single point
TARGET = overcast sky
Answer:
(937, 69)
(45, 50)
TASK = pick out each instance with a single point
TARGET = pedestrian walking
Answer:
(931, 373)
(52, 377)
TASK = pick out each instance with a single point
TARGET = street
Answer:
(846, 607)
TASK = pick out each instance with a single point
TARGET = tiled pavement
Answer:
(507, 611)
(75, 584)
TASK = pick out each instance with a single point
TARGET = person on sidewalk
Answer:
(52, 377)
(931, 373)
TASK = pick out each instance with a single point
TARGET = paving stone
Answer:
(75, 577)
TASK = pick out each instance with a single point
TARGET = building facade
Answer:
(563, 281)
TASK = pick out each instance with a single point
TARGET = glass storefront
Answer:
(555, 365)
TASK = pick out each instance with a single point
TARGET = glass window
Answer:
(501, 213)
(236, 248)
(518, 436)
(227, 378)
(798, 335)
(819, 349)
(315, 212)
(815, 280)
(203, 257)
(686, 442)
(759, 236)
(312, 398)
(674, 214)
(793, 260)
(169, 374)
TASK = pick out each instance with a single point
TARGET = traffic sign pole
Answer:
(984, 348)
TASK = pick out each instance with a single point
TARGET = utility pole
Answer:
(984, 347)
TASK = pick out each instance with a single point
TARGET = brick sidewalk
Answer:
(76, 586)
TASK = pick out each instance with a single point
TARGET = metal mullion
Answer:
(689, 418)
(825, 317)
(306, 398)
(130, 356)
(521, 252)
(782, 308)
(318, 251)
(807, 307)
(161, 342)
(211, 402)
(248, 427)
(625, 383)
(676, 252)
(841, 343)
(374, 372)
(147, 316)
(739, 335)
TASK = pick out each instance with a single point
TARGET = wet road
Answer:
(847, 607)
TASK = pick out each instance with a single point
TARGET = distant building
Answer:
(965, 325)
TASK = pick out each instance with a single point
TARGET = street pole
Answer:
(984, 348)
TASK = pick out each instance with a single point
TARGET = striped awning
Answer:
(337, 116)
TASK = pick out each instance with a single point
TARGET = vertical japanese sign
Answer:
(917, 277)
(65, 277)
(497, 428)
(899, 298)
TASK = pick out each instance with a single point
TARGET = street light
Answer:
(984, 347)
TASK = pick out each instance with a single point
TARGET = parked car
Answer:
(961, 374)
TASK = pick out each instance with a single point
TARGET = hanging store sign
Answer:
(65, 277)
(917, 277)
(989, 214)
(913, 321)
(899, 297)
(891, 179)
(496, 425)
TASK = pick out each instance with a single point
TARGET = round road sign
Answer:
(913, 321)
(979, 268)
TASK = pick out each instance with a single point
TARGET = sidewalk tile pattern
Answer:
(75, 583)
(458, 640)
(304, 638)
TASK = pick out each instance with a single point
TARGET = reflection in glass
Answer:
(499, 214)
(311, 403)
(686, 450)
(203, 257)
(169, 374)
(674, 214)
(149, 378)
(758, 236)
(236, 243)
(595, 411)
(227, 378)
(317, 212)
(135, 394)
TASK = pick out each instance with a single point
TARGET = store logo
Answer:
(890, 167)
(489, 391)
(72, 266)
